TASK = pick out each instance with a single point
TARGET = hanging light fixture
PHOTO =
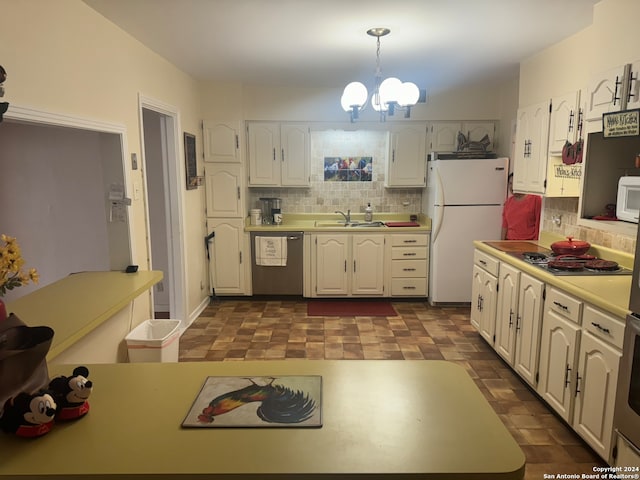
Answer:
(388, 95)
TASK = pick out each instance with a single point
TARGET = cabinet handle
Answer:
(409, 288)
(601, 328)
(510, 318)
(481, 303)
(578, 378)
(517, 323)
(393, 156)
(567, 381)
(571, 119)
(408, 269)
(274, 154)
(283, 154)
(580, 115)
(615, 92)
(561, 306)
(345, 266)
(409, 254)
(354, 266)
(238, 193)
(409, 241)
(482, 262)
(630, 85)
(478, 303)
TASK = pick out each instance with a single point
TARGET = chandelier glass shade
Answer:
(388, 95)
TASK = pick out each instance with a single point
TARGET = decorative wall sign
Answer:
(568, 171)
(190, 161)
(285, 401)
(621, 124)
(348, 169)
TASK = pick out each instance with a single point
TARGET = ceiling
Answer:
(323, 43)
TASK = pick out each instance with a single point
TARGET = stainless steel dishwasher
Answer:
(279, 280)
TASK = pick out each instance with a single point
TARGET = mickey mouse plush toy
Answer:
(72, 393)
(28, 415)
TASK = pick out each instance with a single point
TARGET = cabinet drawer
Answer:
(408, 239)
(487, 262)
(604, 326)
(408, 268)
(408, 253)
(564, 305)
(408, 287)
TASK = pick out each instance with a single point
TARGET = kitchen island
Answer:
(381, 419)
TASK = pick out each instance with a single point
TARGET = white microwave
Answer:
(628, 205)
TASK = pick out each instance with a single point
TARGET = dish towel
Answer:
(271, 251)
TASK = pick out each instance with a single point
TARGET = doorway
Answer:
(160, 147)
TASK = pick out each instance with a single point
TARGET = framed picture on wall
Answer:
(190, 160)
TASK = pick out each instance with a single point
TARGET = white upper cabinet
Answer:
(605, 92)
(279, 155)
(444, 136)
(222, 142)
(564, 122)
(407, 163)
(530, 155)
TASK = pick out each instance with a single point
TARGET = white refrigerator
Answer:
(465, 198)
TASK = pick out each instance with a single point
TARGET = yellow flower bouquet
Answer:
(12, 273)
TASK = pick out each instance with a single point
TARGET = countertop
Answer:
(608, 292)
(77, 304)
(308, 223)
(381, 419)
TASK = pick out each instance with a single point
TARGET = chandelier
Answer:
(388, 95)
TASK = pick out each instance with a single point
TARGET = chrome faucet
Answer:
(347, 216)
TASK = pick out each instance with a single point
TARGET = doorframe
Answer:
(174, 199)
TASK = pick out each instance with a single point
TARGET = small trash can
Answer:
(154, 341)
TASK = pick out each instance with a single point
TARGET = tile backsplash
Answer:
(568, 209)
(326, 197)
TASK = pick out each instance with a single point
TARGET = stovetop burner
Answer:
(572, 264)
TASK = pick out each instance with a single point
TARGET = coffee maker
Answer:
(271, 210)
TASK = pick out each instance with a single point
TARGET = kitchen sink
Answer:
(341, 224)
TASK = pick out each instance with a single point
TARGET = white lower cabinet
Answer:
(568, 350)
(528, 323)
(409, 265)
(229, 256)
(579, 360)
(507, 312)
(484, 294)
(348, 264)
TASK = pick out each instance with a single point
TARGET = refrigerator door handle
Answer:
(438, 213)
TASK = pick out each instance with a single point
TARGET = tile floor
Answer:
(276, 329)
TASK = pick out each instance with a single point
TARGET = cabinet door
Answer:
(264, 154)
(443, 136)
(407, 161)
(223, 183)
(488, 306)
(295, 153)
(605, 93)
(528, 327)
(226, 253)
(331, 264)
(222, 141)
(507, 312)
(558, 349)
(530, 157)
(367, 264)
(476, 296)
(595, 395)
(563, 121)
(632, 90)
(476, 131)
